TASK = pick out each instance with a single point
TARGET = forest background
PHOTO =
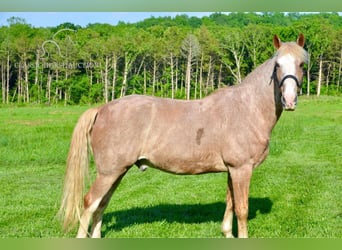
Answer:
(182, 57)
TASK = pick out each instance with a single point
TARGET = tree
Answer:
(209, 52)
(191, 50)
(6, 51)
(155, 49)
(173, 38)
(114, 47)
(181, 57)
(21, 33)
(41, 35)
(131, 44)
(257, 43)
(232, 52)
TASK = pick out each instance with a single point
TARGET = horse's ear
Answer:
(276, 42)
(301, 40)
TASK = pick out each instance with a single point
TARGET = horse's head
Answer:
(288, 69)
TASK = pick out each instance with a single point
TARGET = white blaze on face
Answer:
(288, 67)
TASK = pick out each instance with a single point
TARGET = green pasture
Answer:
(295, 193)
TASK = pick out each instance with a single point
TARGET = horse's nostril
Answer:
(289, 105)
(283, 101)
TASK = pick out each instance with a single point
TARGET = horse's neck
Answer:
(257, 96)
(263, 92)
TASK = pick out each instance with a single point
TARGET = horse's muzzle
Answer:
(289, 105)
(290, 92)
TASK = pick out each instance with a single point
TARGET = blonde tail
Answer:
(77, 169)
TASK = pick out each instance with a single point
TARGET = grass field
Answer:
(296, 192)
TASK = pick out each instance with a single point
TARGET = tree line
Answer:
(181, 57)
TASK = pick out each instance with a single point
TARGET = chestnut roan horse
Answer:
(227, 131)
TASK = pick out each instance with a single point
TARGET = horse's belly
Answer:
(179, 166)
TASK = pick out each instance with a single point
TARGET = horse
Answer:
(226, 131)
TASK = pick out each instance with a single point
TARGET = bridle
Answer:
(281, 83)
(292, 77)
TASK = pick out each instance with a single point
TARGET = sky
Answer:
(52, 19)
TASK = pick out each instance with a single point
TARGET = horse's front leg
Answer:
(227, 224)
(240, 179)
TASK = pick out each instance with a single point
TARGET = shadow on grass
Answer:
(187, 213)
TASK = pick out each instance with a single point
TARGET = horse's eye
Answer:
(301, 65)
(277, 65)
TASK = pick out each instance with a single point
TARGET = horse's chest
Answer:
(252, 151)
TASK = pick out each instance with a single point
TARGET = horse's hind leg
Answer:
(95, 231)
(95, 201)
(97, 216)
